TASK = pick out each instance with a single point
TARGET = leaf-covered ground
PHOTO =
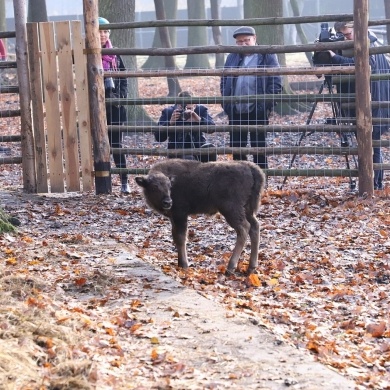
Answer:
(66, 309)
(322, 283)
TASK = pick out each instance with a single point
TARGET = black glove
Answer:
(111, 94)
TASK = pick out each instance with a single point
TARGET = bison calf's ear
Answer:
(141, 181)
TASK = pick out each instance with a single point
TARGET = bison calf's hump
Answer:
(178, 188)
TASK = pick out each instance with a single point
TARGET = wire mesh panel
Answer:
(10, 147)
(304, 133)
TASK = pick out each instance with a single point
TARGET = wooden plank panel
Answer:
(52, 103)
(84, 122)
(37, 106)
(68, 104)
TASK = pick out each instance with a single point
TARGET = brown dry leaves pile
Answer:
(69, 320)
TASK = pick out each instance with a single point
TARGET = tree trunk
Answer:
(217, 35)
(197, 35)
(301, 33)
(387, 13)
(28, 151)
(272, 35)
(116, 11)
(269, 35)
(37, 11)
(3, 27)
(3, 24)
(266, 34)
(170, 61)
(158, 62)
(101, 145)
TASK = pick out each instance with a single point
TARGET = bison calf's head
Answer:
(157, 191)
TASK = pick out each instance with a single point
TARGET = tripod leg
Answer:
(303, 135)
(352, 182)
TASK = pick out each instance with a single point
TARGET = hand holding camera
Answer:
(185, 114)
(109, 90)
(323, 58)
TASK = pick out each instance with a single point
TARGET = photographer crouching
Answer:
(186, 114)
(380, 89)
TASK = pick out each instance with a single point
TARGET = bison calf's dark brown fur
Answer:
(179, 188)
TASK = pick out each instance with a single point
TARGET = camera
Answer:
(184, 115)
(328, 35)
(322, 58)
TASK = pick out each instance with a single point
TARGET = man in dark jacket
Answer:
(380, 90)
(186, 114)
(246, 112)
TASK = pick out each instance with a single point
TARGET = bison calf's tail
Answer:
(259, 182)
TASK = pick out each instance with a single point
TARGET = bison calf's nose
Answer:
(167, 203)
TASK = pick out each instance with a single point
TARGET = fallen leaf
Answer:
(254, 280)
(376, 330)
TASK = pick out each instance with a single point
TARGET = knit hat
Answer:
(244, 30)
(103, 21)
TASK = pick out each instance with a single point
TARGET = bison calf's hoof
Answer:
(251, 271)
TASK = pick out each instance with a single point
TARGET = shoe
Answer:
(125, 189)
(380, 187)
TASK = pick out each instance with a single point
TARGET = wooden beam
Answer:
(101, 146)
(363, 107)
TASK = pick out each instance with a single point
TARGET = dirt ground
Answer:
(82, 310)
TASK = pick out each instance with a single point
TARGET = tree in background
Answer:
(37, 11)
(271, 35)
(217, 35)
(116, 11)
(158, 62)
(295, 6)
(197, 35)
(3, 27)
(170, 61)
(266, 34)
(387, 13)
(3, 24)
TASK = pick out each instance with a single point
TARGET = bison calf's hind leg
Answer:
(254, 234)
(241, 226)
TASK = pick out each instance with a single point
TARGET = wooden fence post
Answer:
(27, 136)
(363, 101)
(101, 146)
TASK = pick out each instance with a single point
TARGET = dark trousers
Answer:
(377, 156)
(257, 138)
(115, 139)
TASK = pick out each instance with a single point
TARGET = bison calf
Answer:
(179, 188)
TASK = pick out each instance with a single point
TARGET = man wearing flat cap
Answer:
(248, 112)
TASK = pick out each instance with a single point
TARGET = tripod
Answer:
(345, 137)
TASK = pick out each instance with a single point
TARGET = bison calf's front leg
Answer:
(179, 234)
